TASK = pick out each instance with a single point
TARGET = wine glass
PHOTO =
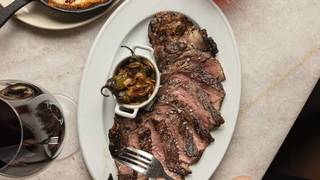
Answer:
(33, 128)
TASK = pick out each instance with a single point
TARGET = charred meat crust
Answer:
(195, 70)
(204, 59)
(176, 28)
(172, 34)
(216, 116)
(216, 94)
(132, 176)
(187, 114)
(194, 121)
(168, 53)
(115, 139)
(119, 134)
(170, 149)
(167, 25)
(158, 146)
(198, 96)
(190, 147)
(181, 130)
(211, 45)
(119, 139)
(145, 139)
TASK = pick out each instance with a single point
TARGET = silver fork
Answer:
(51, 140)
(142, 162)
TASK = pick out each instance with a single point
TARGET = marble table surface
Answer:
(279, 43)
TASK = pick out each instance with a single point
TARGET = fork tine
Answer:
(134, 156)
(142, 153)
(134, 167)
(132, 160)
(53, 140)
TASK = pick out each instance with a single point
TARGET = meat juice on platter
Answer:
(187, 106)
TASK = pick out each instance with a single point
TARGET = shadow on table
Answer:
(299, 155)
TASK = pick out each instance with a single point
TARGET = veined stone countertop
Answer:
(279, 43)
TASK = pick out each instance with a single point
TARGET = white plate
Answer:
(128, 25)
(37, 15)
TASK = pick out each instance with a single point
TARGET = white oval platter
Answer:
(128, 25)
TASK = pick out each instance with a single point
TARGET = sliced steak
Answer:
(168, 26)
(210, 63)
(188, 150)
(198, 68)
(142, 138)
(145, 141)
(119, 133)
(215, 93)
(171, 151)
(123, 174)
(198, 39)
(169, 30)
(168, 53)
(186, 109)
(187, 114)
(119, 138)
(196, 98)
(194, 70)
(157, 147)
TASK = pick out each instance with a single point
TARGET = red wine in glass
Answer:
(32, 128)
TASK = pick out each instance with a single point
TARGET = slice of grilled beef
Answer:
(171, 33)
(215, 93)
(167, 53)
(171, 151)
(125, 173)
(119, 133)
(119, 138)
(157, 146)
(207, 71)
(187, 114)
(168, 145)
(207, 97)
(142, 140)
(209, 63)
(145, 141)
(188, 150)
(195, 98)
(167, 26)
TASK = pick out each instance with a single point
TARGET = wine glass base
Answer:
(71, 141)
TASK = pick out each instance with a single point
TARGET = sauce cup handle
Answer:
(147, 48)
(126, 114)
